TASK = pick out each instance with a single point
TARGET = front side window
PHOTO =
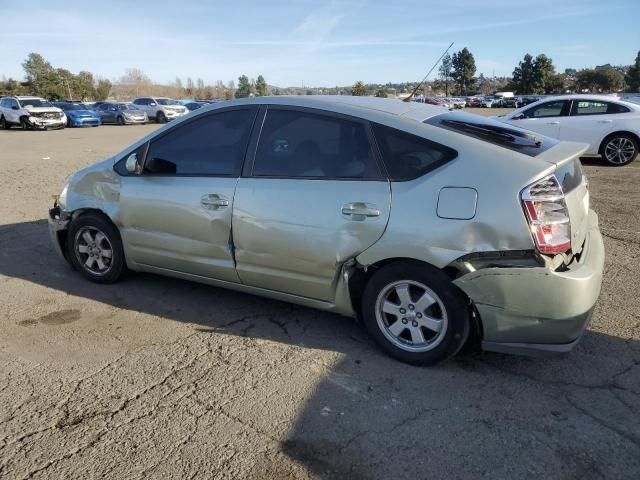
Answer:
(591, 107)
(547, 109)
(302, 144)
(408, 156)
(209, 145)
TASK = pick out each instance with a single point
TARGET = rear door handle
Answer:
(213, 201)
(360, 211)
(553, 123)
(604, 121)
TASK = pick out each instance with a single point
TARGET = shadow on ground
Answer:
(479, 415)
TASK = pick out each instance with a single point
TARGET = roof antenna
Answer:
(408, 99)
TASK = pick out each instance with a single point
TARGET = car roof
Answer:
(365, 107)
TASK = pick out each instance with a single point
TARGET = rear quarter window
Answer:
(408, 156)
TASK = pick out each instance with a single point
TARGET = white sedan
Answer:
(610, 126)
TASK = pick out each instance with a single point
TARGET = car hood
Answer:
(81, 112)
(43, 109)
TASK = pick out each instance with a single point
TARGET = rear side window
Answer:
(209, 145)
(408, 156)
(591, 107)
(301, 144)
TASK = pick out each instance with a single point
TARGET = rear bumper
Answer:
(58, 224)
(537, 310)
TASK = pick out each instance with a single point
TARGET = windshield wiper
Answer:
(501, 134)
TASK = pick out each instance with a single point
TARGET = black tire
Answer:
(120, 120)
(24, 125)
(619, 157)
(69, 122)
(4, 125)
(161, 117)
(451, 310)
(95, 223)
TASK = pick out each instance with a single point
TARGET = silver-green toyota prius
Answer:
(431, 226)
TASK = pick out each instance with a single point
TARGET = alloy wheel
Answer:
(93, 250)
(411, 316)
(620, 150)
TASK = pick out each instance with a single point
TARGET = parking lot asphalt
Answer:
(159, 378)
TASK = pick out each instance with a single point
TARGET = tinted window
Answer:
(408, 156)
(209, 145)
(310, 145)
(547, 109)
(592, 107)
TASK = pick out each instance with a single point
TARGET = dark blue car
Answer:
(79, 115)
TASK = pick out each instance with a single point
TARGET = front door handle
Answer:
(553, 123)
(360, 211)
(213, 201)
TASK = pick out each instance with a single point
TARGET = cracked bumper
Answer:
(537, 310)
(58, 224)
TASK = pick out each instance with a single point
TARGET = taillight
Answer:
(548, 217)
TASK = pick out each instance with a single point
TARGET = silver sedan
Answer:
(433, 227)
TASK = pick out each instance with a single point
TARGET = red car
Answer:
(433, 101)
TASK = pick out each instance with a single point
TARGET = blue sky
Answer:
(315, 43)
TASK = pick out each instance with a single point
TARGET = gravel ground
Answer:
(161, 378)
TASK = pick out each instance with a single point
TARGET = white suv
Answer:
(30, 112)
(162, 109)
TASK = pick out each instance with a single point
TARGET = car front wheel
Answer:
(415, 313)
(95, 248)
(619, 149)
(161, 117)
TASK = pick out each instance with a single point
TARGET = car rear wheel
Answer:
(95, 248)
(161, 117)
(619, 149)
(415, 313)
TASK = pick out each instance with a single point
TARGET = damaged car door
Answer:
(312, 197)
(176, 210)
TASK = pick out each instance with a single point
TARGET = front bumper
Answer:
(85, 122)
(46, 123)
(135, 120)
(58, 224)
(535, 309)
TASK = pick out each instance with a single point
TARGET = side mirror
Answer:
(133, 165)
(153, 104)
(519, 116)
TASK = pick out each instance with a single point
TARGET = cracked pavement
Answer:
(160, 378)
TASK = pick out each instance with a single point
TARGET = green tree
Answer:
(40, 75)
(603, 80)
(382, 92)
(359, 89)
(445, 72)
(543, 72)
(261, 87)
(524, 76)
(463, 70)
(244, 87)
(633, 75)
(103, 89)
(84, 86)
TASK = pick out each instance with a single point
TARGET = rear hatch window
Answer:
(494, 132)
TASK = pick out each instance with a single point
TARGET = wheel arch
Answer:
(361, 274)
(618, 132)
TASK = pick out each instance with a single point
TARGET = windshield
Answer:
(167, 101)
(125, 106)
(35, 102)
(494, 132)
(73, 106)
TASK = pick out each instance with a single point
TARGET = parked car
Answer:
(30, 113)
(79, 115)
(491, 101)
(430, 225)
(458, 103)
(510, 102)
(121, 114)
(161, 109)
(474, 102)
(524, 101)
(610, 127)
